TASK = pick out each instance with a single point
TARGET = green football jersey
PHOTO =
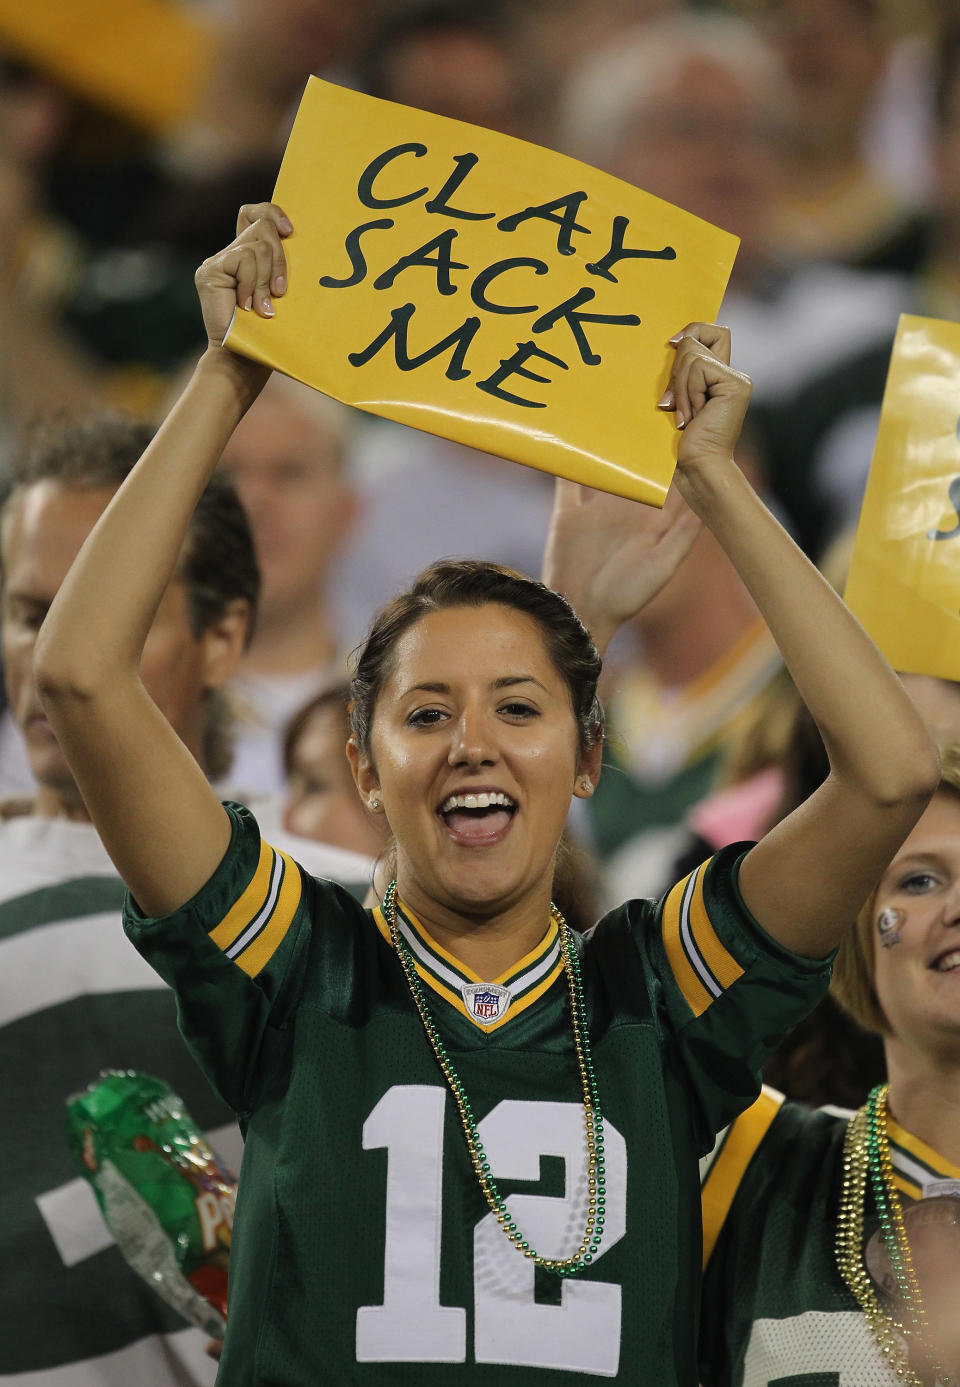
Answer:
(776, 1311)
(363, 1249)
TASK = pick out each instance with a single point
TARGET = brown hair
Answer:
(853, 971)
(472, 583)
(336, 698)
(217, 563)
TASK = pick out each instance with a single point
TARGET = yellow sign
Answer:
(143, 59)
(904, 582)
(485, 289)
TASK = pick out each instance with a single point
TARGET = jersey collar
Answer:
(488, 1004)
(916, 1165)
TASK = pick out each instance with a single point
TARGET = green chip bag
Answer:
(165, 1197)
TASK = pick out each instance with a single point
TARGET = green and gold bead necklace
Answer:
(593, 1120)
(866, 1158)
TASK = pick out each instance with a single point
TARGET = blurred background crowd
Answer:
(824, 133)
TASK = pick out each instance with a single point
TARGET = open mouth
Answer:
(479, 817)
(947, 962)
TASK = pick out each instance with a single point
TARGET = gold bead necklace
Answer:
(593, 1119)
(866, 1158)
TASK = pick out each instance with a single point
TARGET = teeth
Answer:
(484, 800)
(948, 962)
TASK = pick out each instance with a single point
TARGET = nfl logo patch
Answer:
(486, 1002)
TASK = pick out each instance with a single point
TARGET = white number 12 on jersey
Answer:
(582, 1333)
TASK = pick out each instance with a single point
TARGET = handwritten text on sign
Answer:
(437, 254)
(461, 280)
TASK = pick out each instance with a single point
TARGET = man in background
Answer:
(75, 997)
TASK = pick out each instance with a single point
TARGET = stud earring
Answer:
(586, 785)
(374, 805)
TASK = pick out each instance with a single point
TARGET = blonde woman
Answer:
(832, 1241)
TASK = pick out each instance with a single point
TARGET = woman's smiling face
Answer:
(917, 976)
(474, 754)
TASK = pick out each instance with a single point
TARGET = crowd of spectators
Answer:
(824, 133)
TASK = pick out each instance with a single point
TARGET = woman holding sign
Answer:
(472, 1137)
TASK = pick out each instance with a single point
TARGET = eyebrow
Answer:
(934, 853)
(932, 858)
(506, 681)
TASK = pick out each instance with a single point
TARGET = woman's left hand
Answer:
(609, 556)
(710, 398)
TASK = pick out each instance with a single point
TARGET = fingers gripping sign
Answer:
(247, 273)
(709, 396)
(272, 217)
(714, 336)
(252, 212)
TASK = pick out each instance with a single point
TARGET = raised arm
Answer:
(610, 556)
(150, 801)
(809, 876)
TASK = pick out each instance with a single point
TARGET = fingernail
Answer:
(249, 304)
(285, 225)
(280, 284)
(681, 422)
(666, 400)
(266, 308)
(677, 337)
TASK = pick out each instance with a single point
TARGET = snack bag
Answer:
(164, 1195)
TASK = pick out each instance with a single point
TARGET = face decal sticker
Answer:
(888, 926)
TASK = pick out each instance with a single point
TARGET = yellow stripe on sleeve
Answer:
(723, 1180)
(259, 952)
(722, 964)
(246, 907)
(696, 995)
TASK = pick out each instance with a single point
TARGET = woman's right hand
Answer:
(248, 273)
